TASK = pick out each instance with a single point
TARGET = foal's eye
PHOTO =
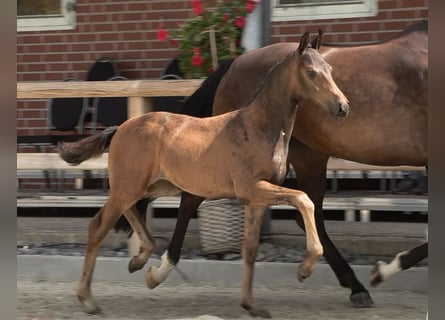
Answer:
(311, 74)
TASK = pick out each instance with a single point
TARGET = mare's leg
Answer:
(147, 241)
(310, 167)
(402, 261)
(260, 195)
(98, 228)
(253, 217)
(188, 206)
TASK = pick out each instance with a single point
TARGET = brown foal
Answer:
(238, 154)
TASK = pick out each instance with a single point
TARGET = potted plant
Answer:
(209, 36)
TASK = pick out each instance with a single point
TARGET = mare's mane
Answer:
(421, 26)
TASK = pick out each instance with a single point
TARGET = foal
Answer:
(239, 154)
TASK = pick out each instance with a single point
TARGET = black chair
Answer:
(109, 111)
(65, 118)
(170, 104)
(102, 69)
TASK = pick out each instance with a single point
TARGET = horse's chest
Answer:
(279, 161)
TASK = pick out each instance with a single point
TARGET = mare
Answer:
(242, 154)
(386, 84)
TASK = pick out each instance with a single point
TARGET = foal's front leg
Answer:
(253, 217)
(265, 193)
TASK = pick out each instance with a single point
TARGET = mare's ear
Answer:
(303, 42)
(316, 43)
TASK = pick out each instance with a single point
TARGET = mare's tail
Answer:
(200, 103)
(79, 151)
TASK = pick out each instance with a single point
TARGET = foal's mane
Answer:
(261, 85)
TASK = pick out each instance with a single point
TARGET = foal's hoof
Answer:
(260, 313)
(91, 307)
(150, 278)
(133, 266)
(361, 300)
(257, 312)
(301, 276)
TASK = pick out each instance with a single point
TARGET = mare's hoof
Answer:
(361, 300)
(375, 277)
(132, 266)
(150, 280)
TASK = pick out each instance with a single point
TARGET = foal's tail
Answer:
(200, 103)
(79, 151)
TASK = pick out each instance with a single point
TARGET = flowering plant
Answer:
(209, 37)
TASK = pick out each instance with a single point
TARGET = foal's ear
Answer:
(316, 43)
(303, 42)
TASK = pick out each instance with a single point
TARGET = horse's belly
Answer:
(203, 178)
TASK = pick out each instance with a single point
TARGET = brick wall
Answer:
(126, 32)
(393, 16)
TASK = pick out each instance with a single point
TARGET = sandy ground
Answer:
(50, 300)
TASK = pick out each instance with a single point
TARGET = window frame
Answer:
(355, 9)
(64, 21)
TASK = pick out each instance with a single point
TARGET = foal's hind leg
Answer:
(98, 228)
(147, 241)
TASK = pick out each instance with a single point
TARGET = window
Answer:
(34, 15)
(285, 10)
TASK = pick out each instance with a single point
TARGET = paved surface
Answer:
(48, 300)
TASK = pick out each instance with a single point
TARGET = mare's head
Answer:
(317, 85)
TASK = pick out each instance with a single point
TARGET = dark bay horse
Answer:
(241, 154)
(386, 84)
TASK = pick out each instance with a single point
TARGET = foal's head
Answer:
(316, 81)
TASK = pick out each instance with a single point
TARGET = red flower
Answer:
(250, 6)
(196, 6)
(225, 17)
(161, 34)
(239, 22)
(197, 59)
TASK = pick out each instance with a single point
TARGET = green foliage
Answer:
(227, 19)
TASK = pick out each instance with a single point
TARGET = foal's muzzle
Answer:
(342, 110)
(339, 109)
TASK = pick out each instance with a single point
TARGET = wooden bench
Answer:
(33, 165)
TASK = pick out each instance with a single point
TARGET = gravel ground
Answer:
(50, 300)
(267, 252)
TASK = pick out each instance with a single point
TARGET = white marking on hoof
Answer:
(386, 270)
(155, 275)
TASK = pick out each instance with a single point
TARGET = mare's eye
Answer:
(311, 74)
